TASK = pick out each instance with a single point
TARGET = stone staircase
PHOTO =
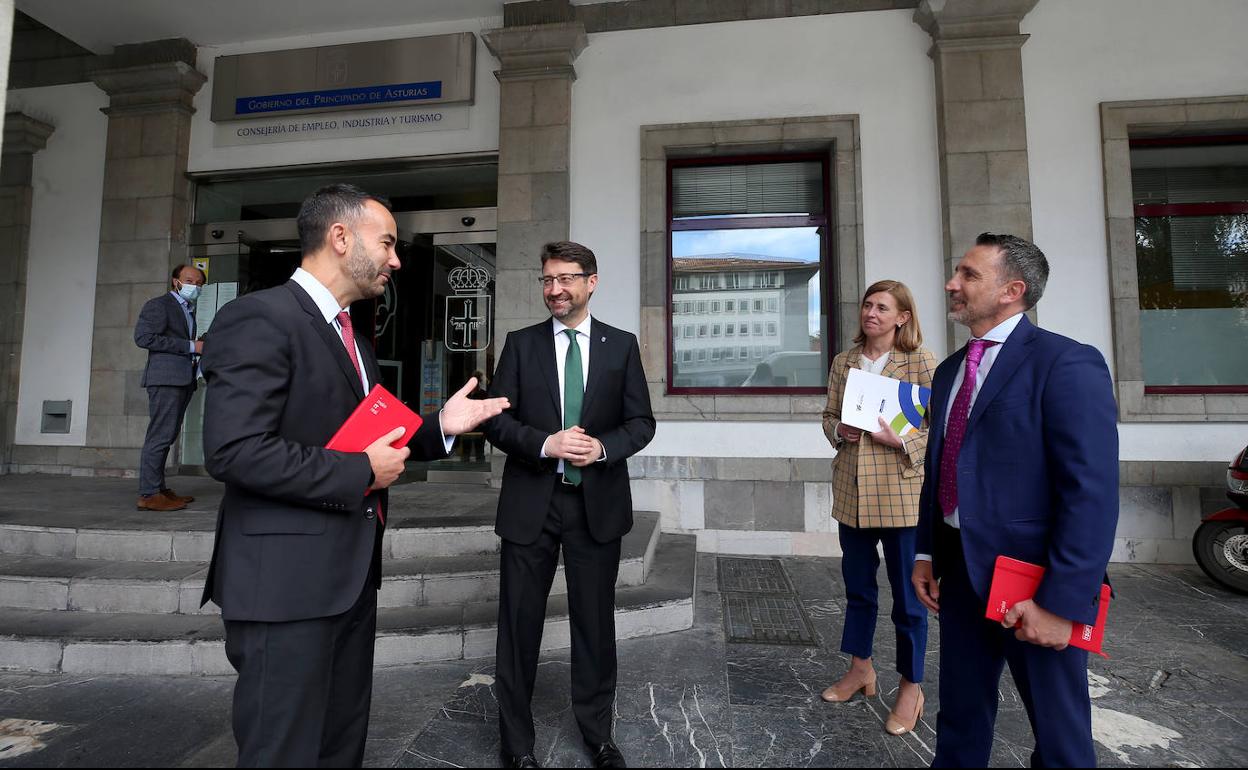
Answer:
(89, 585)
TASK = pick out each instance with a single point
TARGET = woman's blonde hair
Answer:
(909, 337)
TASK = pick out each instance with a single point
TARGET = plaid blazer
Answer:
(874, 485)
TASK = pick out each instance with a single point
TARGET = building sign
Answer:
(338, 97)
(468, 317)
(440, 69)
(300, 128)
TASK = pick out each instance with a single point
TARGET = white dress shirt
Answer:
(328, 305)
(561, 359)
(872, 367)
(998, 334)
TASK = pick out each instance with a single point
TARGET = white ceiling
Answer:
(101, 24)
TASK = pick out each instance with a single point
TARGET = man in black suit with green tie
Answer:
(580, 407)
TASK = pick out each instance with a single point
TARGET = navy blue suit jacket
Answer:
(1038, 469)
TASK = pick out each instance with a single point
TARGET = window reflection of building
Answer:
(745, 308)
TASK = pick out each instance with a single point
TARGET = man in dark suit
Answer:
(297, 560)
(166, 329)
(580, 407)
(1022, 461)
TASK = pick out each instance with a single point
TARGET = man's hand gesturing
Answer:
(461, 414)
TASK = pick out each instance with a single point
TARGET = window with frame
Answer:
(753, 222)
(1191, 239)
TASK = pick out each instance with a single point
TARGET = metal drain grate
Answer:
(759, 576)
(761, 605)
(753, 619)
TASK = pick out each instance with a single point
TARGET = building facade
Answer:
(743, 170)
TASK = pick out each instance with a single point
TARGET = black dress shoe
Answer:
(606, 754)
(527, 760)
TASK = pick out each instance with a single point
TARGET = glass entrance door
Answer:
(432, 329)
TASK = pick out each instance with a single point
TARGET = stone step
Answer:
(406, 538)
(96, 519)
(143, 644)
(173, 587)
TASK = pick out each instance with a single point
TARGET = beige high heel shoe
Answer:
(896, 725)
(847, 688)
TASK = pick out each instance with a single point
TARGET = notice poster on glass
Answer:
(212, 298)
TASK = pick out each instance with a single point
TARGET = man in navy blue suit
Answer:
(1022, 461)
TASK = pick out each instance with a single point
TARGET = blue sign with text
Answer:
(338, 97)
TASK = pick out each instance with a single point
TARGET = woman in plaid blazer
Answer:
(876, 479)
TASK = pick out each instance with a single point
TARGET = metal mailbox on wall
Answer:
(436, 70)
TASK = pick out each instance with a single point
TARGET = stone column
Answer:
(23, 137)
(142, 231)
(533, 144)
(981, 123)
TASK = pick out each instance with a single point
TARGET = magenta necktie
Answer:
(955, 430)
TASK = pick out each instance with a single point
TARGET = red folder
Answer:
(1014, 581)
(378, 414)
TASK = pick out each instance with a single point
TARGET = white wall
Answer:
(873, 64)
(1081, 54)
(480, 136)
(64, 250)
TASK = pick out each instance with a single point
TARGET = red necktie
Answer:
(348, 340)
(955, 430)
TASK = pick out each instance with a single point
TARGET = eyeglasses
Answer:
(565, 279)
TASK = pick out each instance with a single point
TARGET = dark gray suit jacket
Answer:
(296, 534)
(161, 330)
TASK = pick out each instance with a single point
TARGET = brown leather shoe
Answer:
(158, 502)
(169, 493)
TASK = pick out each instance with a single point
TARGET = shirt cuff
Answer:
(602, 459)
(922, 557)
(541, 453)
(192, 347)
(448, 442)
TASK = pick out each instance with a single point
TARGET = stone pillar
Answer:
(981, 123)
(142, 231)
(23, 137)
(533, 145)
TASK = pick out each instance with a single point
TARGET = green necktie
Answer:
(573, 396)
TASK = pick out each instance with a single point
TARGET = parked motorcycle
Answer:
(1221, 541)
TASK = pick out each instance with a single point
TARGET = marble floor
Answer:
(1171, 694)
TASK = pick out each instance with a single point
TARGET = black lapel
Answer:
(369, 355)
(1016, 349)
(599, 347)
(328, 335)
(544, 338)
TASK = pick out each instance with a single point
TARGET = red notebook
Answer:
(378, 414)
(1014, 581)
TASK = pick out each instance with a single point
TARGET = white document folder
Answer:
(868, 397)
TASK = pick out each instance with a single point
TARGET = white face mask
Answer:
(189, 292)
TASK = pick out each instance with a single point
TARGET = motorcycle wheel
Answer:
(1221, 550)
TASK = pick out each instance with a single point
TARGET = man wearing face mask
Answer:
(166, 329)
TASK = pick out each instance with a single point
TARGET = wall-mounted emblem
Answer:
(469, 319)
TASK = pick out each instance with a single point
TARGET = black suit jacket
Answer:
(616, 411)
(296, 536)
(161, 331)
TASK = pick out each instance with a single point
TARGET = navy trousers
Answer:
(973, 653)
(859, 564)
